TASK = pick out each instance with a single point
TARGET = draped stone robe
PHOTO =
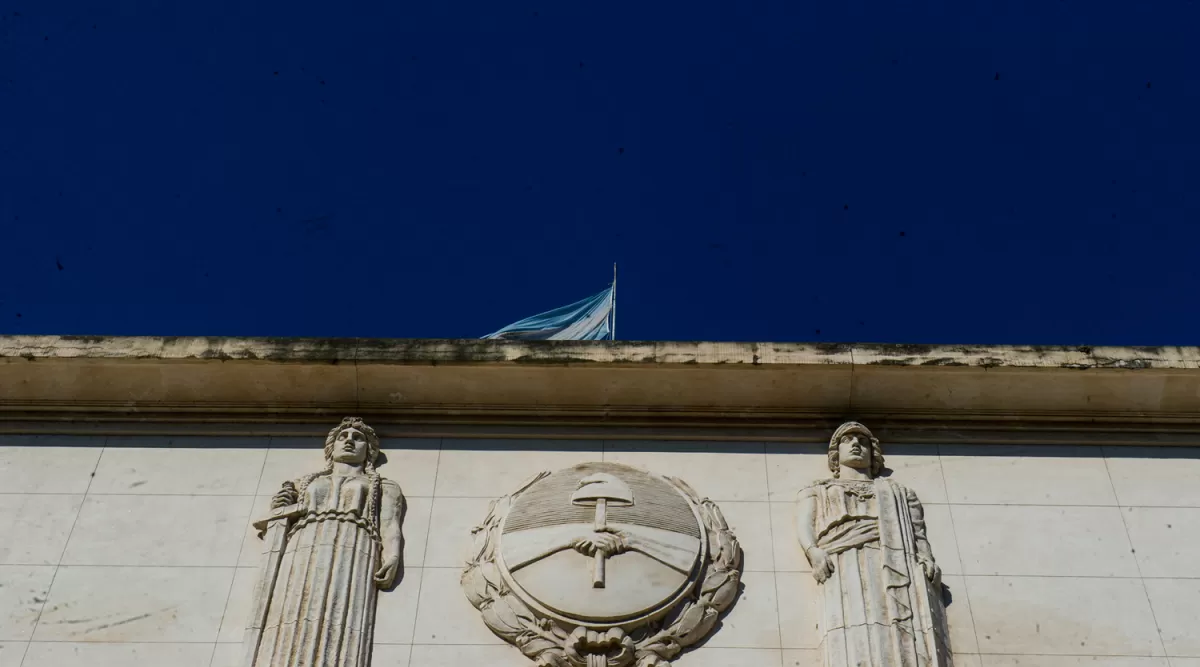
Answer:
(322, 609)
(880, 610)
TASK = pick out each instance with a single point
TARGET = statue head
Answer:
(352, 441)
(853, 446)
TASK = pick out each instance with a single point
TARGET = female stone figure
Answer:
(333, 539)
(865, 539)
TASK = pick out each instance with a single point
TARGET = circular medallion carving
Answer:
(602, 564)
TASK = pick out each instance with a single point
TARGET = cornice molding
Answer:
(579, 384)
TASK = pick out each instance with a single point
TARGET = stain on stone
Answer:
(943, 361)
(123, 621)
(1134, 364)
(829, 348)
(907, 349)
(89, 340)
(891, 362)
(532, 359)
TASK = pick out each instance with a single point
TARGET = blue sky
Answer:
(1007, 172)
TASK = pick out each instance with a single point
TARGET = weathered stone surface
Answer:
(428, 655)
(34, 527)
(1003, 474)
(508, 463)
(227, 655)
(801, 603)
(128, 530)
(1011, 539)
(959, 615)
(726, 471)
(731, 657)
(1165, 539)
(1075, 661)
(1062, 616)
(396, 616)
(23, 591)
(11, 653)
(391, 655)
(751, 522)
(541, 576)
(600, 382)
(1155, 476)
(445, 616)
(450, 524)
(1176, 604)
(80, 654)
(134, 604)
(179, 466)
(48, 464)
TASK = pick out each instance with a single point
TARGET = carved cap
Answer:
(850, 427)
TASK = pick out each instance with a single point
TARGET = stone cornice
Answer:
(630, 384)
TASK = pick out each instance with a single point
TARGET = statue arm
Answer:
(806, 516)
(806, 519)
(391, 514)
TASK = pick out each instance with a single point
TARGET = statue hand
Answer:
(385, 576)
(822, 565)
(285, 496)
(932, 571)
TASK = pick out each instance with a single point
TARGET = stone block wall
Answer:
(138, 550)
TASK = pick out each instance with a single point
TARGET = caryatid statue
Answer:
(864, 536)
(332, 540)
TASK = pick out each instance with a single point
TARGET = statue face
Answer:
(350, 446)
(854, 451)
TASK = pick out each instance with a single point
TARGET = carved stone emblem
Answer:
(865, 537)
(333, 538)
(602, 565)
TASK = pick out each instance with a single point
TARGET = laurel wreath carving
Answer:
(550, 643)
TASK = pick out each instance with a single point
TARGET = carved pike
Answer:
(599, 490)
(275, 529)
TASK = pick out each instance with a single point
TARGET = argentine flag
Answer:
(590, 319)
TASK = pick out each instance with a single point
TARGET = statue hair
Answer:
(854, 427)
(374, 495)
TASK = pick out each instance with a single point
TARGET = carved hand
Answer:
(385, 576)
(606, 543)
(932, 571)
(822, 566)
(285, 496)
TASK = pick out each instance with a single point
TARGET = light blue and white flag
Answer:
(589, 319)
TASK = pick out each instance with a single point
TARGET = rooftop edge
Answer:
(556, 353)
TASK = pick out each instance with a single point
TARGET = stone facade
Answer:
(1053, 492)
(139, 550)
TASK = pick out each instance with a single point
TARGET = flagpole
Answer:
(613, 330)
